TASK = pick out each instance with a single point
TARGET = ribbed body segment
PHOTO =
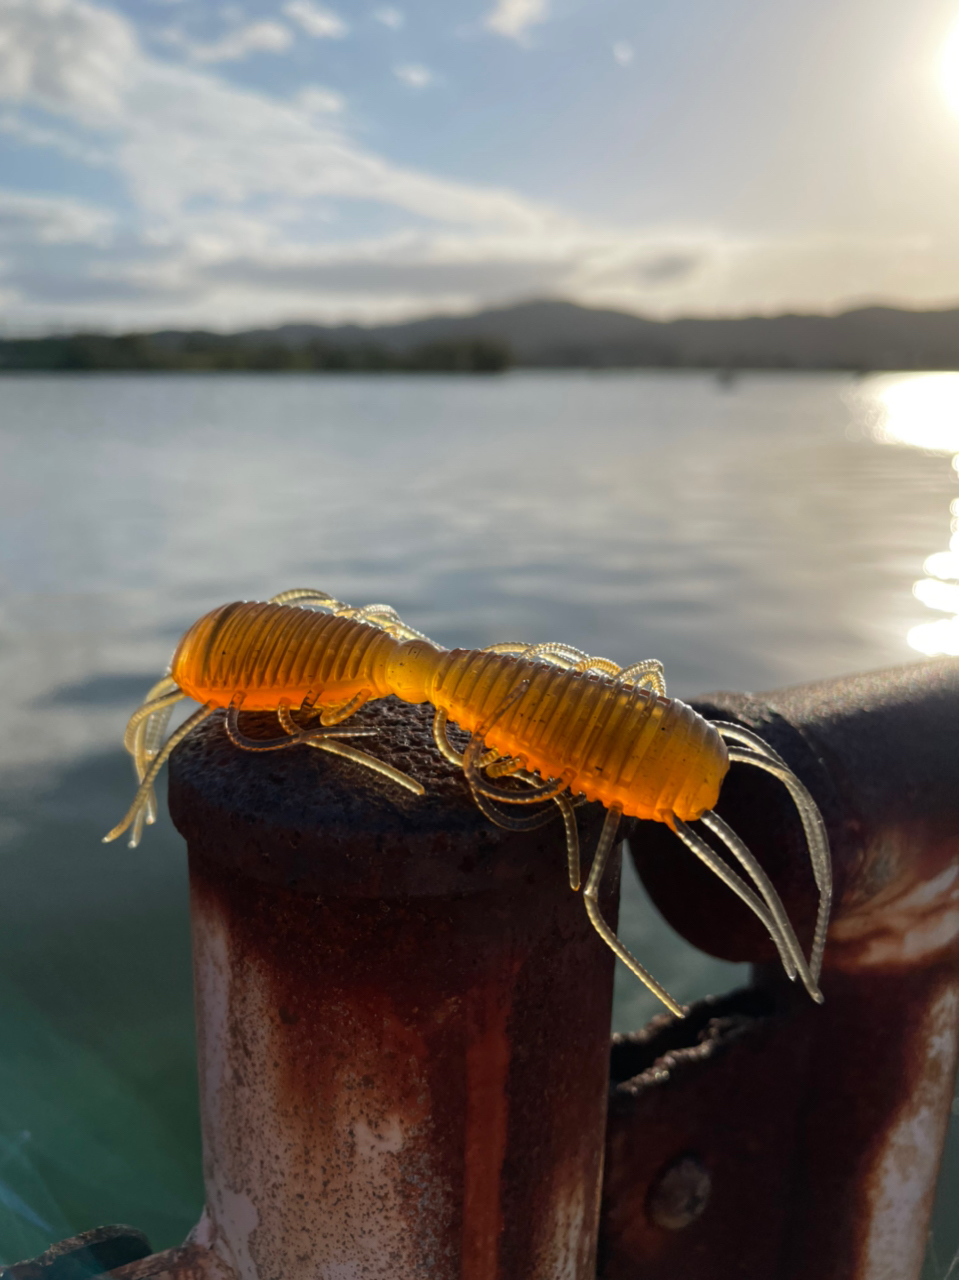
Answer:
(614, 743)
(617, 744)
(269, 651)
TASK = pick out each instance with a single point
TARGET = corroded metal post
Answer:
(818, 1131)
(403, 1017)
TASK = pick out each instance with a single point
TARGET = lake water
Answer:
(750, 535)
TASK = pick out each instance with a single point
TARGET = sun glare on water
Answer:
(922, 410)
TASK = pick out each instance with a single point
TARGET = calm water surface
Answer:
(751, 536)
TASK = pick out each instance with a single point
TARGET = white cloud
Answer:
(51, 220)
(513, 18)
(240, 200)
(623, 52)
(232, 272)
(414, 75)
(321, 23)
(257, 37)
(320, 101)
(177, 135)
(390, 17)
(67, 55)
(188, 137)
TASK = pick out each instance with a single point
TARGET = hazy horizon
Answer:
(293, 321)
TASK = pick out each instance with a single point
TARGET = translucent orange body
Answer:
(612, 742)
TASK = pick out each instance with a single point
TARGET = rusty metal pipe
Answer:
(818, 1130)
(403, 1019)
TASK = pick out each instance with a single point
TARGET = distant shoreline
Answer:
(531, 335)
(722, 375)
(142, 353)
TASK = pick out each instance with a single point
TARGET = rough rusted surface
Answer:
(828, 1121)
(882, 1065)
(698, 1091)
(403, 1018)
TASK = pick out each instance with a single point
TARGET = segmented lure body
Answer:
(652, 756)
(268, 651)
(622, 744)
(556, 722)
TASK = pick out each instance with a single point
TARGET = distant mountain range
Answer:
(546, 334)
(563, 334)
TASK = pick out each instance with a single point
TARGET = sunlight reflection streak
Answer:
(922, 410)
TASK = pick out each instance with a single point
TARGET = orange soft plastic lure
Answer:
(563, 724)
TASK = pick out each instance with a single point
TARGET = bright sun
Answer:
(950, 69)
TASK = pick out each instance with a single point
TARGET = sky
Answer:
(198, 163)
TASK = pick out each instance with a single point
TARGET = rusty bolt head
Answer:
(679, 1194)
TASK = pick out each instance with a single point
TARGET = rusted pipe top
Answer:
(345, 830)
(91, 1253)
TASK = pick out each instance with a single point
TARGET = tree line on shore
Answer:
(211, 353)
(544, 334)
